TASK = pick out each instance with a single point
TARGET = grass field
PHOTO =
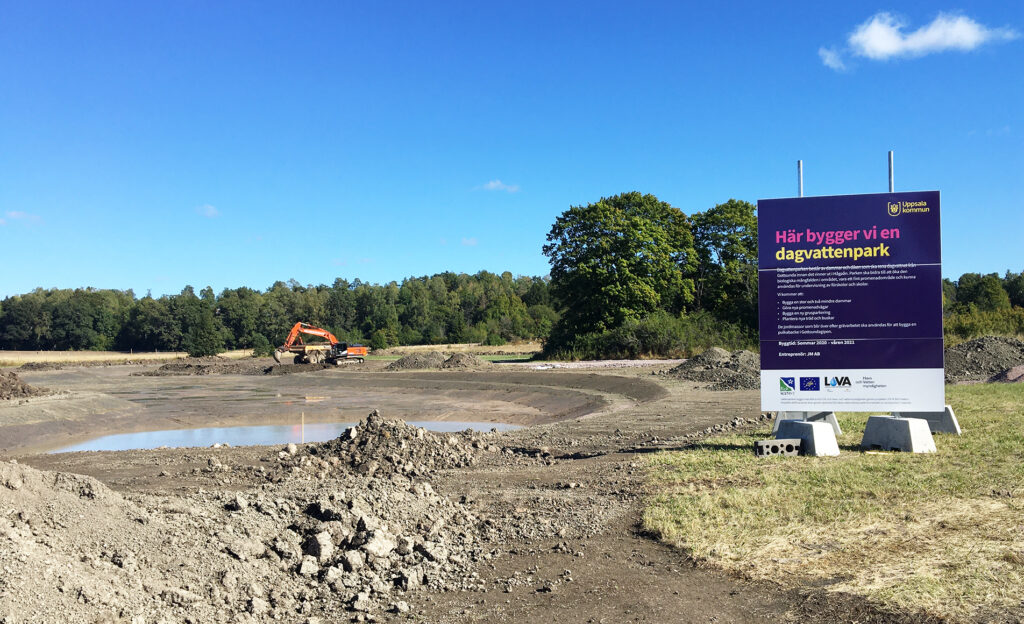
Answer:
(525, 348)
(519, 357)
(941, 533)
(17, 358)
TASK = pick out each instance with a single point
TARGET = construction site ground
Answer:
(556, 505)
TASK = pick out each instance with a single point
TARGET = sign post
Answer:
(850, 295)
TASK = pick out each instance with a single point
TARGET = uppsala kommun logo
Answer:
(894, 209)
(787, 384)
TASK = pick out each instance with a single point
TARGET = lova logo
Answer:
(895, 208)
(837, 382)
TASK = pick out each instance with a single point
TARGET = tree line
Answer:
(442, 308)
(634, 276)
(631, 276)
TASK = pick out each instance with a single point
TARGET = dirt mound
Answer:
(1010, 375)
(739, 370)
(11, 387)
(983, 359)
(434, 359)
(208, 366)
(289, 369)
(465, 361)
(381, 447)
(224, 366)
(306, 549)
(41, 366)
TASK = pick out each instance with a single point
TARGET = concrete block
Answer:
(817, 438)
(889, 433)
(939, 422)
(782, 416)
(784, 446)
(829, 417)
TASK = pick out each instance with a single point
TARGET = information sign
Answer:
(850, 296)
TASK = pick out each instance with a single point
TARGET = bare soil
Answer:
(988, 358)
(721, 370)
(12, 387)
(387, 523)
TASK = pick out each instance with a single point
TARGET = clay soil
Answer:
(554, 507)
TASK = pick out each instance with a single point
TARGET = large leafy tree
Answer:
(617, 259)
(725, 239)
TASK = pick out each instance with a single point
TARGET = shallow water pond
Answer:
(251, 435)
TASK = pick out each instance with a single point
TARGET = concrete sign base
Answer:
(889, 433)
(939, 422)
(817, 438)
(829, 417)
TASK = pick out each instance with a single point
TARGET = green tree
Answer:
(725, 279)
(617, 259)
(204, 336)
(985, 292)
(1014, 285)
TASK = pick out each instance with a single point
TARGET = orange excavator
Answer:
(331, 352)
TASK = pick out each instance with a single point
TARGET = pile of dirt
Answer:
(989, 358)
(340, 548)
(381, 447)
(208, 366)
(1010, 375)
(465, 361)
(224, 366)
(41, 366)
(433, 359)
(11, 387)
(739, 370)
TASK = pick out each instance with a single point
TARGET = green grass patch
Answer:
(942, 532)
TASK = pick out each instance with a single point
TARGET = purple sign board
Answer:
(850, 303)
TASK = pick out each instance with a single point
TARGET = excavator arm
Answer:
(306, 328)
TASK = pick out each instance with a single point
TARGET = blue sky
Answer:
(153, 145)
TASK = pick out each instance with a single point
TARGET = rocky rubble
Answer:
(465, 361)
(381, 447)
(739, 370)
(435, 360)
(12, 387)
(988, 358)
(326, 536)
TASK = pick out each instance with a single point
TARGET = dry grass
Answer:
(17, 358)
(524, 348)
(941, 533)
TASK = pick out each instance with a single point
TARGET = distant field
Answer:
(526, 348)
(17, 358)
(941, 533)
(490, 357)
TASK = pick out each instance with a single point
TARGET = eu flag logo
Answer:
(810, 383)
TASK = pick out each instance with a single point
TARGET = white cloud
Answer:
(830, 57)
(498, 185)
(208, 211)
(18, 215)
(469, 242)
(882, 37)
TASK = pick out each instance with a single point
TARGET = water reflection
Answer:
(254, 435)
